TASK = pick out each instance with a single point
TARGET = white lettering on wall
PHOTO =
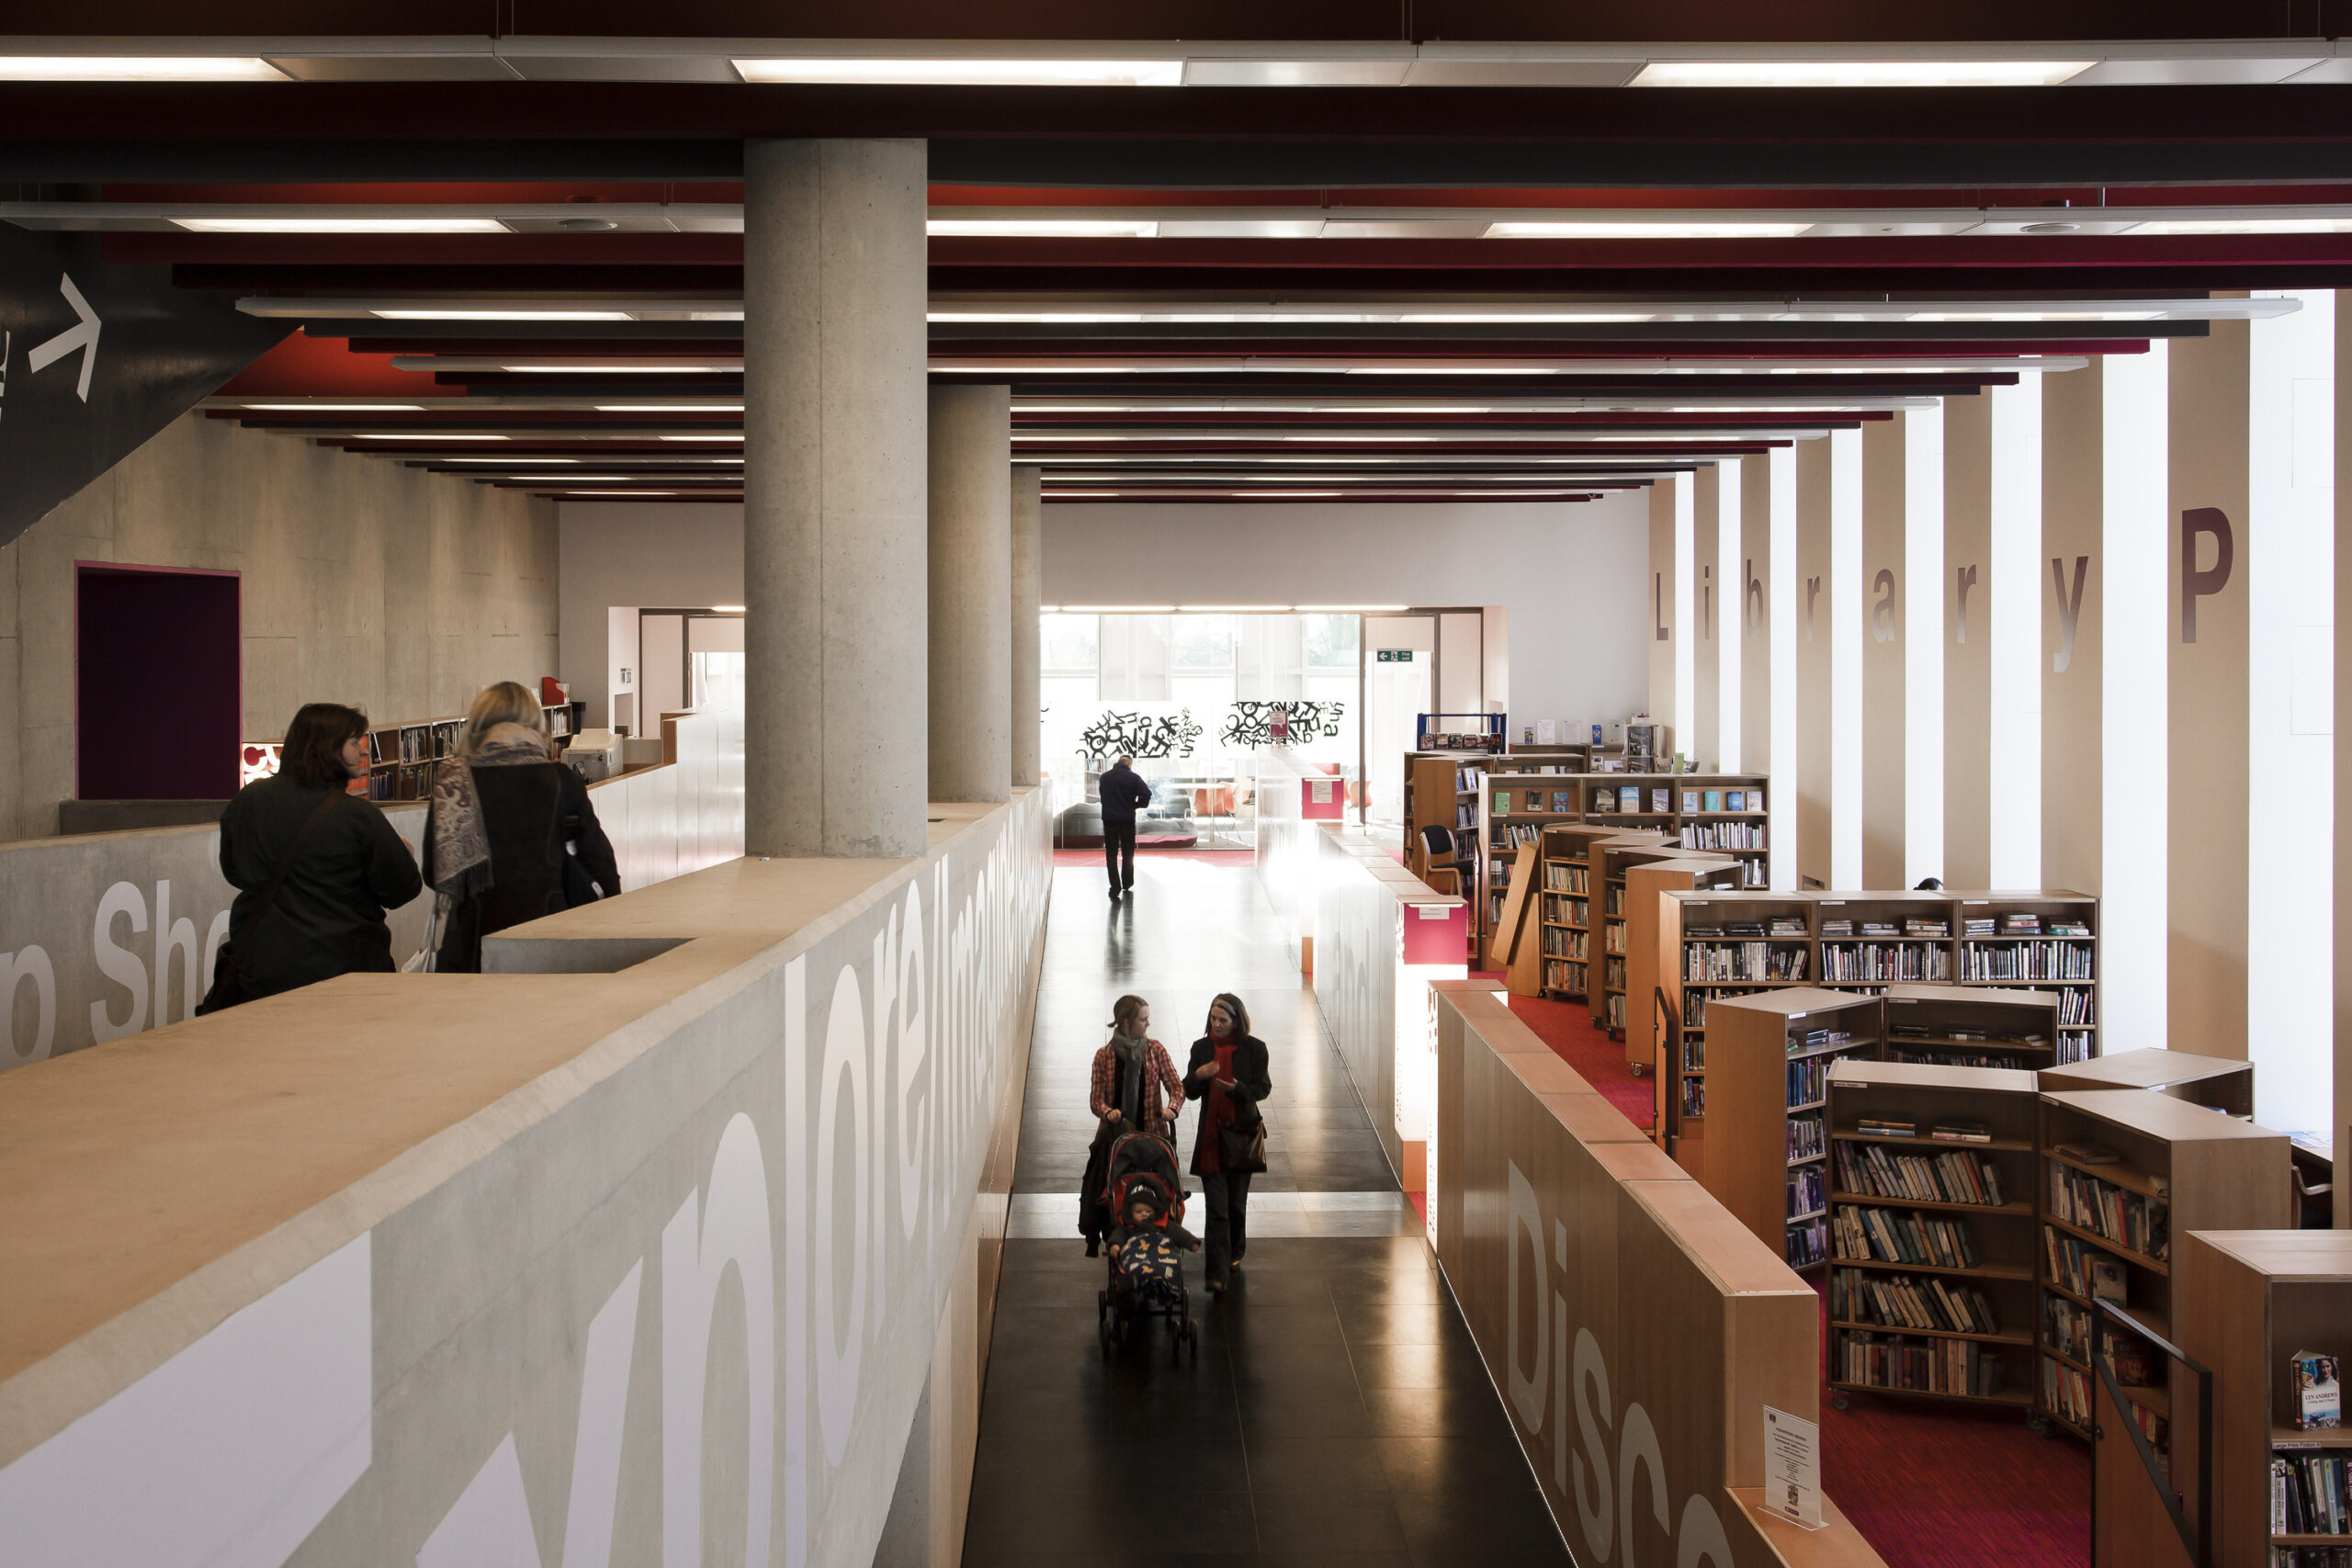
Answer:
(118, 964)
(27, 963)
(1606, 1515)
(734, 1230)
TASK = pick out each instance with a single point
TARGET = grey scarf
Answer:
(1130, 1053)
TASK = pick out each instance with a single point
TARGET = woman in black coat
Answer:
(1228, 1075)
(512, 835)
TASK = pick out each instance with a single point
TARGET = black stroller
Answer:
(1145, 1161)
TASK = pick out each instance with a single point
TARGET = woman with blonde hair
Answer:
(512, 835)
(1134, 1090)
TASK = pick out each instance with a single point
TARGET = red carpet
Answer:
(1935, 1485)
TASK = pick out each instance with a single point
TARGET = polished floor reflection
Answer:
(1338, 1410)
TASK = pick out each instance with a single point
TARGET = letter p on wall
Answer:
(2196, 584)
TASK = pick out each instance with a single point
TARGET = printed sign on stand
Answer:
(1792, 1468)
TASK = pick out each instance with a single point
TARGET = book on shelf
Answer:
(1976, 926)
(2319, 1390)
(1837, 928)
(1867, 1359)
(1867, 1234)
(2311, 1493)
(1899, 1301)
(2087, 1154)
(2020, 925)
(1564, 802)
(1502, 802)
(1714, 799)
(1807, 1244)
(1937, 928)
(1788, 926)
(1735, 800)
(1869, 1171)
(1689, 800)
(1534, 800)
(1659, 800)
(1807, 1193)
(1886, 1127)
(1962, 1133)
(2069, 929)
(2125, 1218)
(1629, 797)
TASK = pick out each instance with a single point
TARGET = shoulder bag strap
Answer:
(278, 877)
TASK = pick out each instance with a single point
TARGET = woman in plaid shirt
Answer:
(1135, 1088)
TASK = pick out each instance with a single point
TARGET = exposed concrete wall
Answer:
(687, 555)
(362, 582)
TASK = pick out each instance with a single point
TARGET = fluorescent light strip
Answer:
(341, 225)
(735, 437)
(453, 315)
(430, 436)
(138, 68)
(1675, 230)
(962, 72)
(333, 407)
(1859, 72)
(1042, 228)
(669, 408)
(2239, 225)
(641, 367)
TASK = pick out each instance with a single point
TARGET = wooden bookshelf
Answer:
(2180, 1168)
(2248, 1300)
(1973, 1026)
(1441, 789)
(1702, 963)
(1611, 858)
(2218, 1082)
(401, 757)
(1768, 1060)
(1871, 940)
(1566, 912)
(1514, 805)
(2064, 959)
(1930, 1298)
(1651, 963)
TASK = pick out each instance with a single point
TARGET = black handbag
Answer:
(229, 987)
(1241, 1150)
(579, 887)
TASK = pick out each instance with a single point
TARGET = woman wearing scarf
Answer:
(1135, 1088)
(511, 835)
(1228, 1075)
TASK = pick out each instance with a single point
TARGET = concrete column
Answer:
(1028, 659)
(971, 593)
(834, 289)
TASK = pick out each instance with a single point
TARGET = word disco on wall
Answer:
(674, 1301)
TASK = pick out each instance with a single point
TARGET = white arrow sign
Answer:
(82, 335)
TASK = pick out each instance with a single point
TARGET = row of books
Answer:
(1612, 1008)
(2066, 1329)
(2125, 1218)
(406, 780)
(1808, 1082)
(1719, 800)
(1559, 803)
(2067, 1391)
(2024, 960)
(1869, 1171)
(1936, 1366)
(1713, 962)
(1876, 961)
(1919, 928)
(1909, 1300)
(1613, 936)
(1807, 1193)
(1694, 1052)
(1806, 1135)
(1722, 835)
(1612, 973)
(1562, 943)
(1514, 835)
(1627, 800)
(2311, 1493)
(1896, 1051)
(1807, 1243)
(1898, 1236)
(1563, 978)
(2310, 1557)
(1561, 877)
(1694, 1097)
(2078, 1267)
(1566, 910)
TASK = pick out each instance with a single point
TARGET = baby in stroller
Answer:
(1146, 1242)
(1144, 1196)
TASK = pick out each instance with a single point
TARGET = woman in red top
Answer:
(1228, 1074)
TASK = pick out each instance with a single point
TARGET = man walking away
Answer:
(1123, 795)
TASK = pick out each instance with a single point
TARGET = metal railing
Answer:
(2197, 1539)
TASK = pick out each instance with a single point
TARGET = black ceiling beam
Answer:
(1193, 137)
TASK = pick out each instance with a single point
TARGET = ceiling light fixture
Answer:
(333, 408)
(1859, 72)
(503, 315)
(433, 435)
(1354, 609)
(1042, 228)
(668, 408)
(643, 367)
(1114, 609)
(138, 68)
(735, 437)
(341, 225)
(2242, 226)
(870, 72)
(1233, 609)
(1676, 229)
(726, 610)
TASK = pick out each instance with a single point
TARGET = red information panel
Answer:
(1323, 800)
(1436, 934)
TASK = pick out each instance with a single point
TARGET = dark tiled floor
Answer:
(1337, 1411)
